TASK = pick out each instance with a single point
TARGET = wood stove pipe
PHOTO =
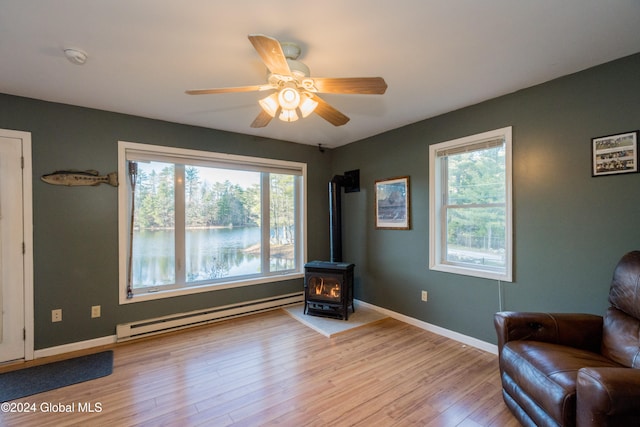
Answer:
(351, 183)
(335, 218)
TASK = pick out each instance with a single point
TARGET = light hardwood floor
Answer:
(269, 369)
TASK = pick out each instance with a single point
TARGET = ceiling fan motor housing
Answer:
(291, 50)
(298, 69)
(291, 53)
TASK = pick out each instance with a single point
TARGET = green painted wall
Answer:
(76, 229)
(570, 228)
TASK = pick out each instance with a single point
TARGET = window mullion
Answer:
(265, 248)
(476, 205)
(444, 202)
(180, 224)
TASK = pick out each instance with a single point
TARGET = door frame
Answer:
(27, 221)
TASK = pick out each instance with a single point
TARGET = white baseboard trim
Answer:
(465, 339)
(74, 346)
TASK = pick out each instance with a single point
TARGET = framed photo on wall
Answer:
(614, 154)
(393, 204)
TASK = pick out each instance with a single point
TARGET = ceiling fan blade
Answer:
(351, 85)
(271, 53)
(261, 120)
(329, 113)
(229, 90)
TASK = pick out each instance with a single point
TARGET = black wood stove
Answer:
(328, 289)
(328, 285)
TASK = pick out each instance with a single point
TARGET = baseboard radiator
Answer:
(145, 328)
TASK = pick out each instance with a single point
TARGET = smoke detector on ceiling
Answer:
(75, 56)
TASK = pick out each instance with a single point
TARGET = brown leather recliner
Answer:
(576, 369)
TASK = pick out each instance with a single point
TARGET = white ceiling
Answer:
(435, 55)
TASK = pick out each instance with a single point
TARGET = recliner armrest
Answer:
(577, 330)
(608, 396)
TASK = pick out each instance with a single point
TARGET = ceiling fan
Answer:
(296, 93)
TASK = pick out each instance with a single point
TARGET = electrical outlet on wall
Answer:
(95, 311)
(56, 315)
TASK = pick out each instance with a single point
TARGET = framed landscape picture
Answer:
(615, 154)
(393, 203)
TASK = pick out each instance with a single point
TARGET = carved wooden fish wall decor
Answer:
(75, 177)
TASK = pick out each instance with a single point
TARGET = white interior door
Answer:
(12, 248)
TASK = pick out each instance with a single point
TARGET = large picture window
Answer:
(470, 205)
(193, 221)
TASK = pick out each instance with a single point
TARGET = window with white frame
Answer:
(470, 213)
(193, 221)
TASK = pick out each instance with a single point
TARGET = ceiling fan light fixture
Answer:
(288, 115)
(270, 104)
(289, 98)
(307, 105)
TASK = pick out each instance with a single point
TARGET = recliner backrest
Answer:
(621, 328)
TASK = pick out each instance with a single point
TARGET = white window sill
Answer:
(150, 296)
